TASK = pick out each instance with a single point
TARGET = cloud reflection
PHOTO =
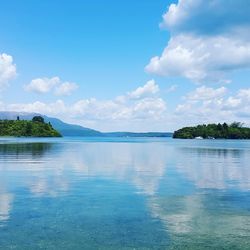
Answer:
(143, 165)
(54, 169)
(215, 168)
(6, 200)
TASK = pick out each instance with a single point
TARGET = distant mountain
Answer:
(133, 134)
(64, 128)
(67, 129)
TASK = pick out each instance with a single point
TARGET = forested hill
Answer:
(217, 131)
(34, 128)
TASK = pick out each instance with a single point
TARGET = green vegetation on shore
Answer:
(34, 128)
(216, 131)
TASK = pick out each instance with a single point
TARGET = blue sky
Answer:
(127, 65)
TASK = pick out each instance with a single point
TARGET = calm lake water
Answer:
(90, 193)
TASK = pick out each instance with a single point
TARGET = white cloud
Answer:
(143, 108)
(206, 17)
(148, 89)
(198, 49)
(54, 108)
(7, 69)
(146, 108)
(94, 111)
(66, 88)
(215, 105)
(172, 88)
(201, 58)
(239, 105)
(42, 85)
(204, 93)
(46, 85)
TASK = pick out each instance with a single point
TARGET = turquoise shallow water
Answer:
(124, 193)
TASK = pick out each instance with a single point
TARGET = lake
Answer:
(124, 193)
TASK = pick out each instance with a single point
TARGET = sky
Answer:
(129, 65)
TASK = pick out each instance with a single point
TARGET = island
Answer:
(236, 130)
(36, 127)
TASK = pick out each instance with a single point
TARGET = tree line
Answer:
(34, 128)
(235, 130)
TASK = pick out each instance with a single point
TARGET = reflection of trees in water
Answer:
(36, 150)
(214, 152)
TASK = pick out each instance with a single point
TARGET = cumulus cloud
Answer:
(146, 108)
(206, 17)
(66, 88)
(204, 93)
(54, 108)
(138, 105)
(201, 58)
(215, 105)
(42, 85)
(148, 89)
(7, 69)
(46, 85)
(208, 40)
(172, 88)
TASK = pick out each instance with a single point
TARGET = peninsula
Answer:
(236, 130)
(36, 127)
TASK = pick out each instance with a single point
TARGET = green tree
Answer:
(223, 131)
(236, 125)
(28, 130)
(38, 119)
